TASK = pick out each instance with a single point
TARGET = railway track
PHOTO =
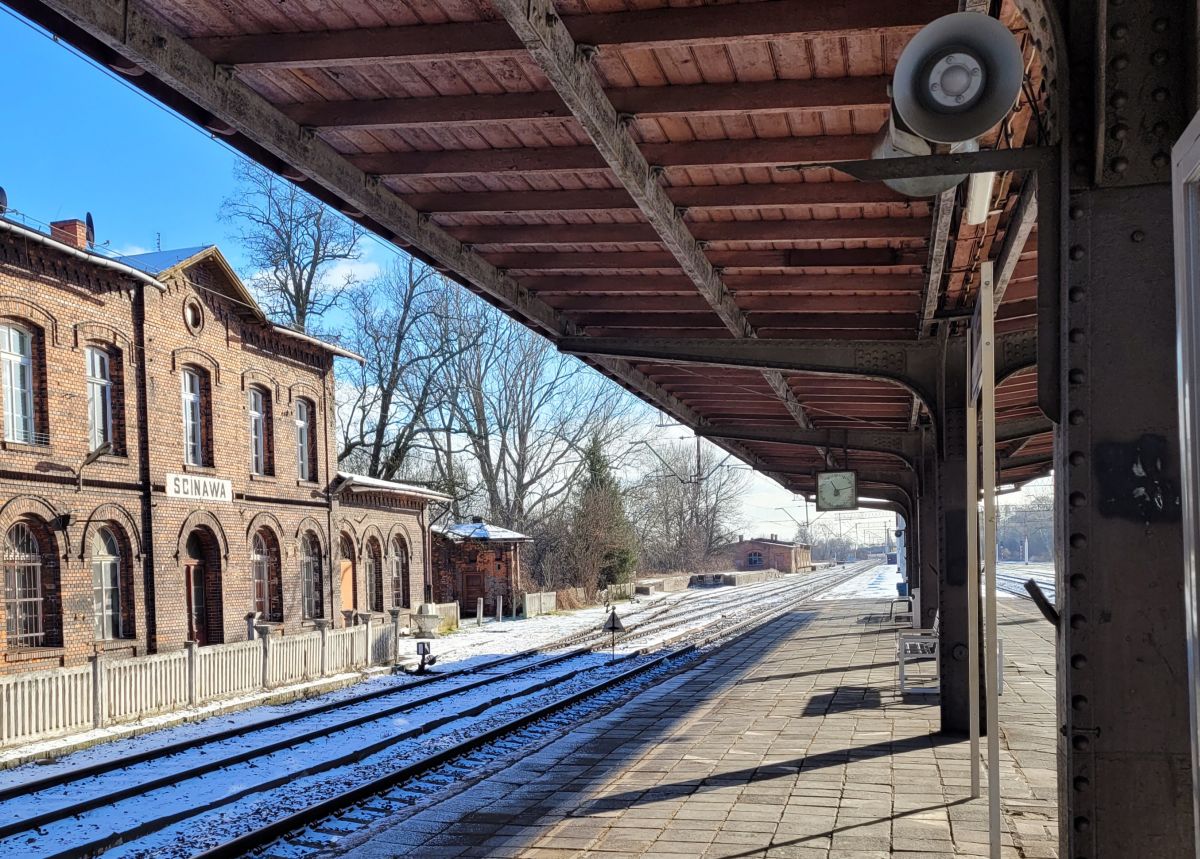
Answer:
(240, 782)
(1011, 579)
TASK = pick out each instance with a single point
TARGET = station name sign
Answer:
(200, 488)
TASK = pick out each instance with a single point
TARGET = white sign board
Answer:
(199, 488)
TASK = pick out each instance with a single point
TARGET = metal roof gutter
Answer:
(93, 258)
(328, 347)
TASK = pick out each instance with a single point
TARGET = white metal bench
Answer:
(919, 645)
(910, 607)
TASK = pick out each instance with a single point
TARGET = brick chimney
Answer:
(72, 232)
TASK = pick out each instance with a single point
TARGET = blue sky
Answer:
(77, 140)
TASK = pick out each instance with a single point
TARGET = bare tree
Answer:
(291, 242)
(526, 413)
(391, 404)
(687, 507)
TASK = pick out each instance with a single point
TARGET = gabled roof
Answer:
(362, 483)
(480, 531)
(161, 263)
(157, 262)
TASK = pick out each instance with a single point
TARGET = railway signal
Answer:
(613, 624)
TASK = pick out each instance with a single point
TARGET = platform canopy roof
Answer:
(654, 187)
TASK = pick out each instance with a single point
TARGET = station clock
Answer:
(837, 490)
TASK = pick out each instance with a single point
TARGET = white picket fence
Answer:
(46, 704)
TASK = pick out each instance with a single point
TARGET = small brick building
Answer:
(473, 560)
(771, 553)
(167, 465)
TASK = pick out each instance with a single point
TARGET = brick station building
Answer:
(167, 468)
(473, 560)
(766, 553)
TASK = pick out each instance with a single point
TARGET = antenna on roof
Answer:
(3, 201)
(91, 229)
(158, 241)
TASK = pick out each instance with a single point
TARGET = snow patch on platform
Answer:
(877, 583)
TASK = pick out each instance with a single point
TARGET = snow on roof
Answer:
(362, 483)
(479, 531)
(156, 262)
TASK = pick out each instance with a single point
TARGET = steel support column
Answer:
(926, 539)
(1124, 749)
(1124, 772)
(952, 546)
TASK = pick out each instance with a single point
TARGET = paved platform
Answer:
(793, 743)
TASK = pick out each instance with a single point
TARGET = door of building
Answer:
(472, 590)
(347, 584)
(197, 605)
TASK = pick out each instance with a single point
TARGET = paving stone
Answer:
(794, 745)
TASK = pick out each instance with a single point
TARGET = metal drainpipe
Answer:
(141, 374)
(325, 379)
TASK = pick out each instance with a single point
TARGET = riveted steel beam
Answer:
(1125, 739)
(900, 443)
(911, 364)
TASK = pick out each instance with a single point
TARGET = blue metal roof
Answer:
(155, 262)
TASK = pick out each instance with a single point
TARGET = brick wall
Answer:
(780, 556)
(71, 305)
(464, 571)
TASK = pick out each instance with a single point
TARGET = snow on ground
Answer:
(1013, 574)
(878, 582)
(469, 646)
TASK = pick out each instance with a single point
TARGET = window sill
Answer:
(263, 478)
(308, 484)
(199, 469)
(30, 654)
(27, 447)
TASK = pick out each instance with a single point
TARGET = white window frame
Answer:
(303, 461)
(108, 623)
(193, 417)
(1185, 181)
(256, 403)
(311, 578)
(16, 377)
(754, 559)
(98, 373)
(260, 574)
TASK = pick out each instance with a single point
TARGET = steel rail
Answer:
(113, 839)
(304, 818)
(100, 768)
(89, 804)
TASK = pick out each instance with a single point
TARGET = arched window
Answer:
(374, 571)
(400, 597)
(106, 586)
(755, 559)
(23, 587)
(262, 459)
(264, 569)
(196, 409)
(16, 378)
(306, 441)
(310, 576)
